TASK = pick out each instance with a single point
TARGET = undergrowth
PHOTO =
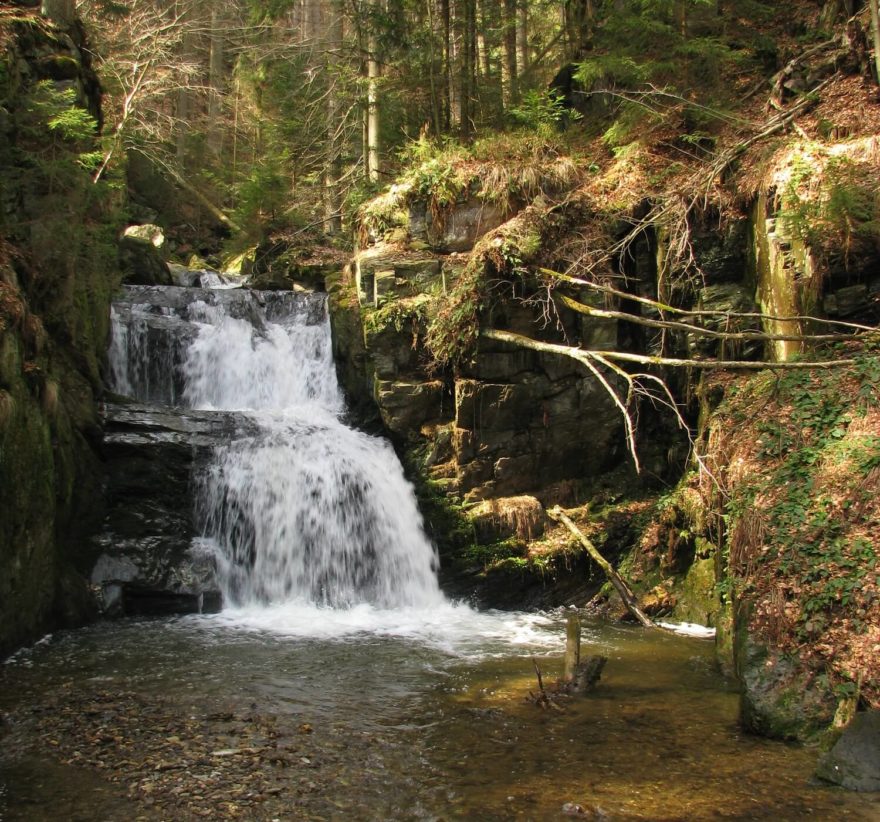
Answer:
(801, 468)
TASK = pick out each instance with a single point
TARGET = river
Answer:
(338, 682)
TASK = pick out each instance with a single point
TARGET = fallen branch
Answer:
(212, 209)
(619, 583)
(589, 357)
(687, 328)
(692, 313)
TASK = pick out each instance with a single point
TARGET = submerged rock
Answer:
(780, 699)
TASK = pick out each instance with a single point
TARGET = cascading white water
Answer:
(307, 510)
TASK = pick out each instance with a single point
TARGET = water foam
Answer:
(308, 510)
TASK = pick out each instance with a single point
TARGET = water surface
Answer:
(420, 717)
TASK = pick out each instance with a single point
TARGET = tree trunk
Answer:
(436, 117)
(468, 68)
(448, 74)
(184, 94)
(373, 75)
(522, 36)
(215, 82)
(333, 157)
(875, 27)
(62, 12)
(509, 84)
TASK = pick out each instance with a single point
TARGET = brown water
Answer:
(120, 721)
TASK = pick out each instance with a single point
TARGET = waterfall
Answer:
(306, 509)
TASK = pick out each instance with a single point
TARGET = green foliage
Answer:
(453, 331)
(412, 313)
(831, 201)
(508, 554)
(648, 53)
(815, 527)
(56, 132)
(631, 120)
(612, 71)
(543, 112)
(262, 197)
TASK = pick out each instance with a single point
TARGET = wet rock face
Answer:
(56, 281)
(534, 428)
(510, 421)
(459, 229)
(145, 561)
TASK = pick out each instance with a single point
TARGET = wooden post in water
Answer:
(572, 646)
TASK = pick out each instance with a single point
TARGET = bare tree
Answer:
(875, 26)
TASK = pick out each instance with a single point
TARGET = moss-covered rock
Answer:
(779, 698)
(143, 256)
(58, 234)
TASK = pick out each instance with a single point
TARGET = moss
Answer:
(697, 599)
(57, 233)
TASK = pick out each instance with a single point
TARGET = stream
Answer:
(338, 682)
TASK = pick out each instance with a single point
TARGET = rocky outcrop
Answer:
(779, 699)
(145, 559)
(508, 421)
(143, 256)
(279, 264)
(459, 227)
(57, 273)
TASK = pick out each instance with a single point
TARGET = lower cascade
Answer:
(296, 507)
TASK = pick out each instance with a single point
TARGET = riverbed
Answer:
(317, 714)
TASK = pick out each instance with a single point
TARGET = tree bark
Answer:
(448, 60)
(62, 12)
(333, 157)
(468, 67)
(875, 27)
(373, 122)
(522, 36)
(509, 84)
(590, 357)
(215, 81)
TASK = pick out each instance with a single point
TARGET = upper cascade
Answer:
(306, 509)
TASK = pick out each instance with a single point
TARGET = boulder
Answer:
(384, 272)
(407, 406)
(460, 227)
(143, 256)
(854, 761)
(779, 699)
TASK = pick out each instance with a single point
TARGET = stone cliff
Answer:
(494, 430)
(57, 261)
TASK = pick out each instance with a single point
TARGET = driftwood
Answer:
(620, 584)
